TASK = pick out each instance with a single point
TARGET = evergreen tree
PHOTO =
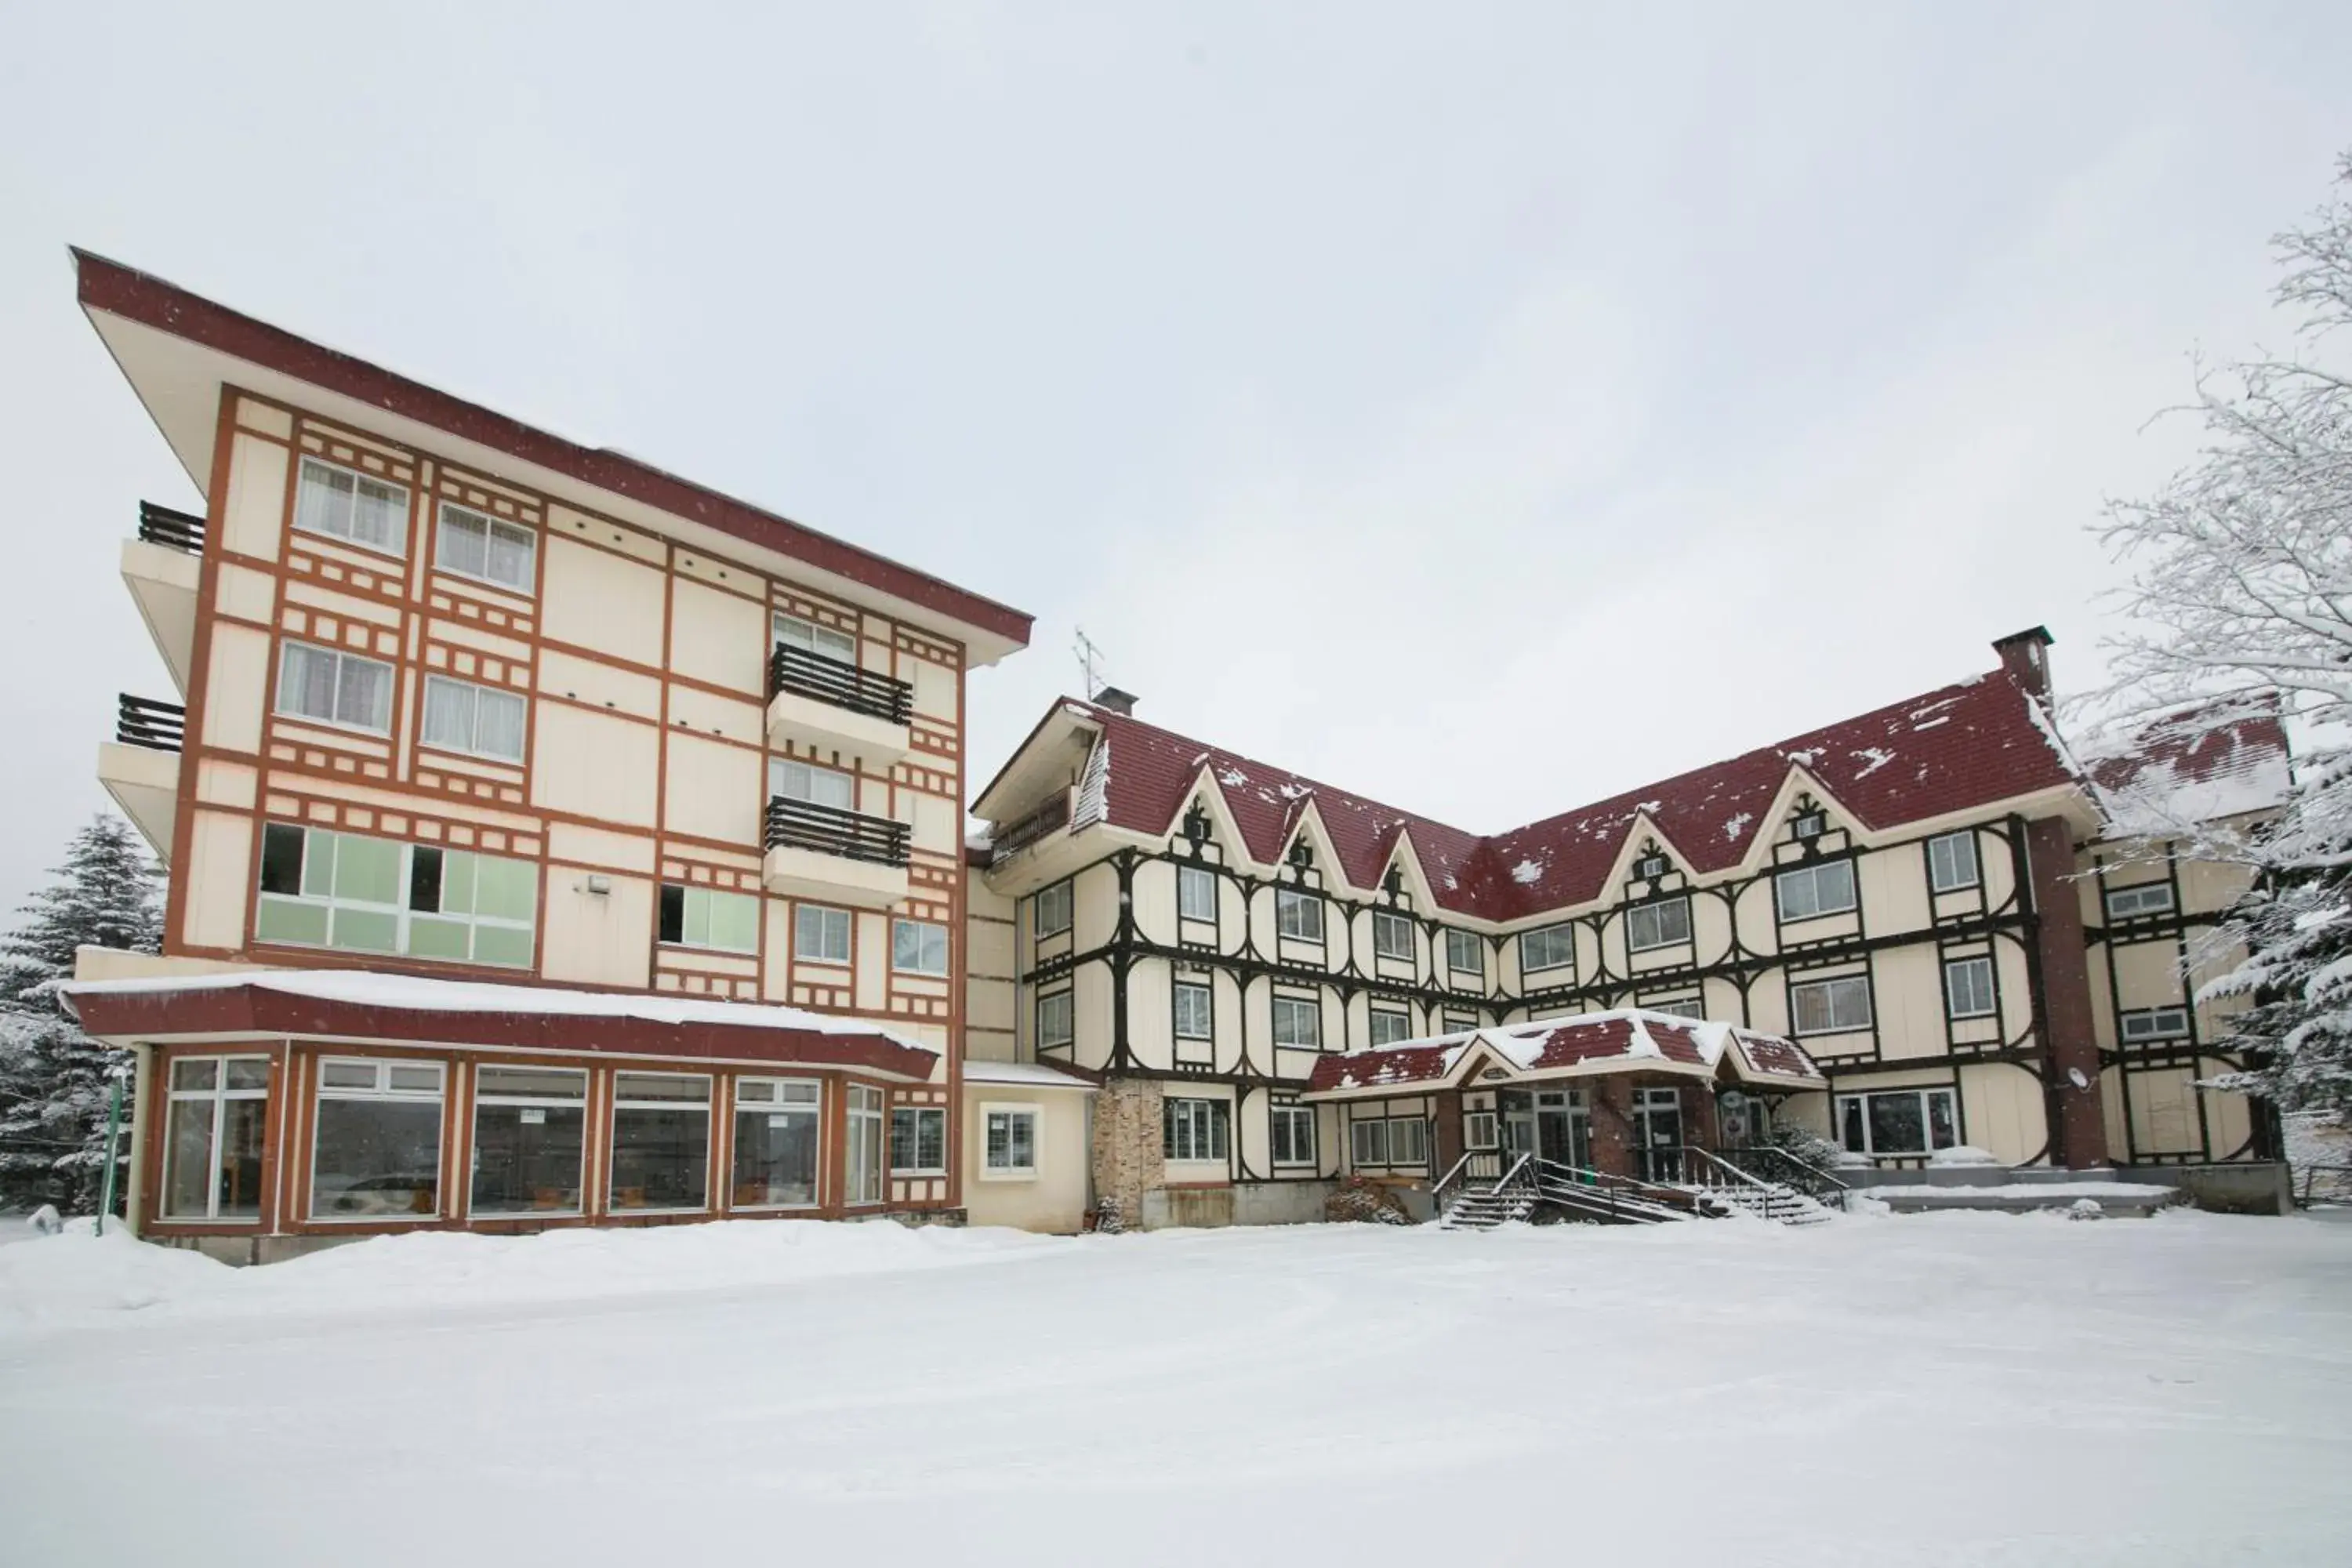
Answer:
(55, 1080)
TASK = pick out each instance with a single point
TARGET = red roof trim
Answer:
(139, 297)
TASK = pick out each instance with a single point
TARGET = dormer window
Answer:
(1302, 855)
(1650, 867)
(1811, 825)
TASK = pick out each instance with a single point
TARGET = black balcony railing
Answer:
(832, 830)
(144, 722)
(1019, 835)
(833, 681)
(179, 530)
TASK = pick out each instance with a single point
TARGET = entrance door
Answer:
(1518, 1121)
(1658, 1132)
(1563, 1132)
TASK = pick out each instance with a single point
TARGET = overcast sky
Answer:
(1484, 409)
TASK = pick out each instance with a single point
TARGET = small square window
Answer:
(1049, 913)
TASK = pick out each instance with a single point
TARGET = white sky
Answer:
(1485, 409)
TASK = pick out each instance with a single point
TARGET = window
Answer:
(1810, 891)
(1680, 1006)
(1811, 824)
(2147, 899)
(789, 780)
(1298, 1021)
(1054, 1021)
(661, 1142)
(1391, 935)
(1478, 1130)
(1196, 893)
(820, 935)
(321, 889)
(1293, 1134)
(1194, 1011)
(377, 1151)
(919, 947)
(863, 1166)
(1297, 915)
(1831, 1006)
(1196, 1129)
(1554, 947)
(1464, 954)
(1390, 1026)
(474, 544)
(211, 1141)
(2144, 1024)
(1900, 1122)
(1408, 1140)
(1010, 1135)
(1967, 989)
(343, 504)
(332, 687)
(1460, 1023)
(778, 1129)
(1651, 867)
(791, 631)
(1050, 914)
(1666, 924)
(530, 1126)
(1952, 862)
(1368, 1143)
(481, 719)
(918, 1141)
(704, 917)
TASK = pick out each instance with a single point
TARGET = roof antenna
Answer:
(1089, 658)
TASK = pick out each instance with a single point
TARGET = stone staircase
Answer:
(1483, 1208)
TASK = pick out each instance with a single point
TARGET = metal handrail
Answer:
(1816, 1182)
(145, 721)
(176, 530)
(1459, 1171)
(1618, 1198)
(1026, 830)
(834, 830)
(2305, 1201)
(840, 683)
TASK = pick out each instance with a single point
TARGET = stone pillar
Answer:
(1130, 1147)
(1445, 1132)
(1611, 1103)
(2070, 1045)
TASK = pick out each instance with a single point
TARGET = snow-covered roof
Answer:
(2212, 761)
(1029, 1075)
(1626, 1039)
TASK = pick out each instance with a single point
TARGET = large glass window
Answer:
(1464, 954)
(530, 1127)
(919, 947)
(1810, 891)
(1408, 1140)
(475, 544)
(1388, 1025)
(820, 935)
(1391, 935)
(810, 637)
(1553, 947)
(1967, 989)
(661, 1142)
(377, 1151)
(1297, 915)
(1194, 1011)
(1298, 1021)
(1196, 1130)
(212, 1145)
(918, 1141)
(704, 917)
(1294, 1134)
(1899, 1122)
(1952, 862)
(1196, 893)
(1665, 923)
(332, 687)
(344, 504)
(482, 720)
(1010, 1137)
(790, 780)
(1049, 913)
(1830, 1006)
(778, 1128)
(321, 888)
(864, 1154)
(1368, 1143)
(1053, 1020)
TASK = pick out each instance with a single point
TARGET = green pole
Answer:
(113, 1140)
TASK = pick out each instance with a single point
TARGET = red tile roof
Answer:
(1639, 1039)
(1598, 1038)
(2213, 760)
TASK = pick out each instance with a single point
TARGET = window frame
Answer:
(1419, 1158)
(780, 773)
(1656, 907)
(1461, 942)
(1560, 932)
(1924, 1095)
(1367, 1144)
(1971, 963)
(382, 1093)
(475, 748)
(1195, 877)
(1203, 1121)
(1384, 922)
(817, 630)
(1067, 997)
(919, 1113)
(1066, 904)
(1311, 1007)
(1810, 875)
(1869, 1005)
(397, 550)
(865, 1119)
(1011, 1111)
(1207, 992)
(615, 1104)
(775, 1104)
(1283, 1124)
(1481, 1129)
(1965, 838)
(277, 709)
(2169, 904)
(1298, 901)
(219, 1096)
(1373, 1014)
(491, 524)
(2126, 1017)
(402, 911)
(826, 916)
(686, 901)
(922, 944)
(480, 1096)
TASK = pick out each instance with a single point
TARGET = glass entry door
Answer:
(1518, 1121)
(1563, 1129)
(1658, 1132)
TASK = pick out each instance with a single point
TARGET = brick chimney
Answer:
(2022, 655)
(1117, 701)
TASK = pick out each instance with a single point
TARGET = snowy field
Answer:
(1937, 1389)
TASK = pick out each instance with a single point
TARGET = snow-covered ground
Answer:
(1939, 1389)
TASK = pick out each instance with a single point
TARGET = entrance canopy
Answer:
(1590, 1045)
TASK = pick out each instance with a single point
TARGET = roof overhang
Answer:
(1047, 759)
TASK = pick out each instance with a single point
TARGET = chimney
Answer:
(2021, 654)
(1117, 701)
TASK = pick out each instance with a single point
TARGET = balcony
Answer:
(141, 767)
(160, 567)
(831, 705)
(835, 856)
(1047, 819)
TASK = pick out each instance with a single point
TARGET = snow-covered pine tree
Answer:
(55, 1080)
(2242, 590)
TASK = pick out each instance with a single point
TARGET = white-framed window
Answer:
(778, 1136)
(788, 779)
(1049, 913)
(529, 1131)
(862, 1159)
(1897, 1122)
(1367, 1144)
(1009, 1142)
(1054, 1020)
(375, 1151)
(1478, 1130)
(1680, 1006)
(475, 544)
(791, 631)
(1196, 893)
(1298, 1021)
(1650, 867)
(480, 720)
(820, 935)
(1391, 935)
(1408, 1140)
(661, 1142)
(693, 916)
(919, 947)
(918, 1140)
(1293, 1134)
(1967, 989)
(213, 1137)
(342, 503)
(1553, 947)
(323, 888)
(1830, 1006)
(1806, 892)
(2142, 1024)
(2146, 898)
(1298, 914)
(1952, 862)
(1464, 954)
(327, 686)
(1195, 1011)
(1662, 923)
(1196, 1129)
(1811, 824)
(1389, 1024)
